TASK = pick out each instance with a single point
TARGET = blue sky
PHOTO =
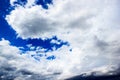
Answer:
(59, 38)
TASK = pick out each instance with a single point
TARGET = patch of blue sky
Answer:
(20, 2)
(37, 56)
(70, 50)
(5, 8)
(52, 57)
(44, 3)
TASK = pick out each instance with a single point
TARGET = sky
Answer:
(59, 39)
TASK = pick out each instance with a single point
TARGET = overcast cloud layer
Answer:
(90, 26)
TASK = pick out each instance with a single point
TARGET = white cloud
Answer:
(63, 16)
(12, 2)
(91, 28)
(66, 63)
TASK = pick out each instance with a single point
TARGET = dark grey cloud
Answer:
(7, 72)
(104, 77)
(111, 48)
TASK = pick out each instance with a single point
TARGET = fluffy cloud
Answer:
(17, 67)
(91, 28)
(21, 66)
(62, 16)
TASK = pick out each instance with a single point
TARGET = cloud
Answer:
(62, 16)
(21, 66)
(91, 28)
(16, 66)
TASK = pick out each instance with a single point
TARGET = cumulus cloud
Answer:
(62, 16)
(91, 27)
(26, 67)
(16, 67)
